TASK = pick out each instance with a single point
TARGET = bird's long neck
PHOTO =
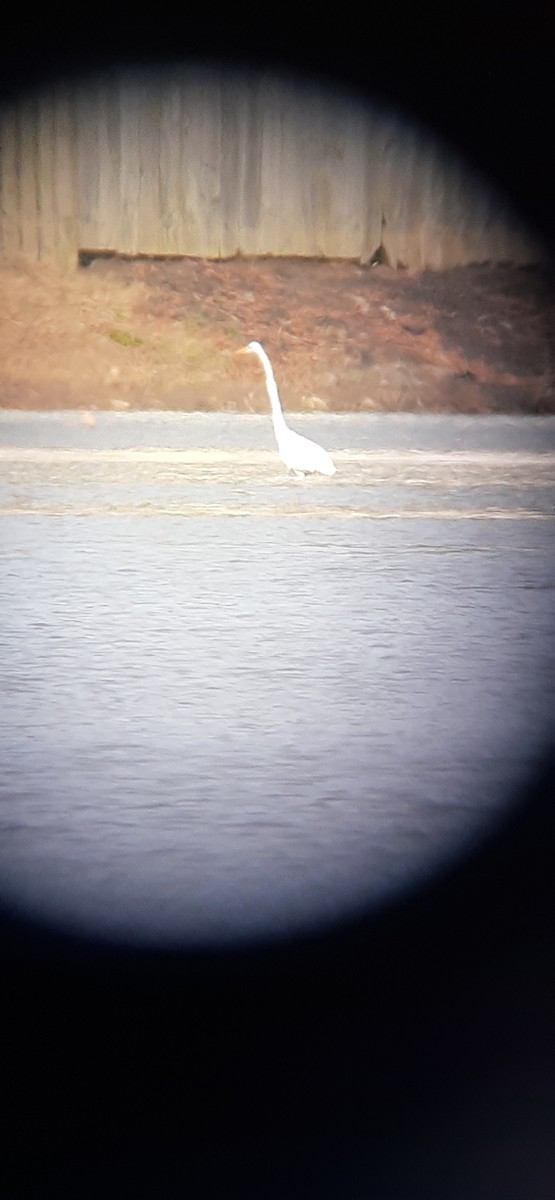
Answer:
(277, 414)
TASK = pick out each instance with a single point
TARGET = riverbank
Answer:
(161, 334)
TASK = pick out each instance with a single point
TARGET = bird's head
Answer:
(252, 348)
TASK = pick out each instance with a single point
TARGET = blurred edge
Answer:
(407, 1055)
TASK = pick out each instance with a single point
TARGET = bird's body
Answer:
(299, 453)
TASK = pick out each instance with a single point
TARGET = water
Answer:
(237, 704)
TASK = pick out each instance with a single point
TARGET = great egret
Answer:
(299, 453)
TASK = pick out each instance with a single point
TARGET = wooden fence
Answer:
(208, 163)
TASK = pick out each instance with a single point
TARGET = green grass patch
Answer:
(122, 338)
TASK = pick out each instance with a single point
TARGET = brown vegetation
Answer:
(161, 334)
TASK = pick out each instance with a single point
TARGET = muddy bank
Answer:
(151, 334)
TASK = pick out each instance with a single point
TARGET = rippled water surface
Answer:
(235, 702)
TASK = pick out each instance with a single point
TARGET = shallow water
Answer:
(236, 703)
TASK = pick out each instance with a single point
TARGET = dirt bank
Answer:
(161, 334)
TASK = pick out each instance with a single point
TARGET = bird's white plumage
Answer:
(299, 453)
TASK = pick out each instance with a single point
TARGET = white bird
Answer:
(299, 453)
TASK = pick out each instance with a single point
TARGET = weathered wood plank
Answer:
(88, 120)
(27, 175)
(10, 219)
(108, 150)
(131, 92)
(171, 225)
(65, 197)
(46, 173)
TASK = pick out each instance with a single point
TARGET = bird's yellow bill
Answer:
(243, 350)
